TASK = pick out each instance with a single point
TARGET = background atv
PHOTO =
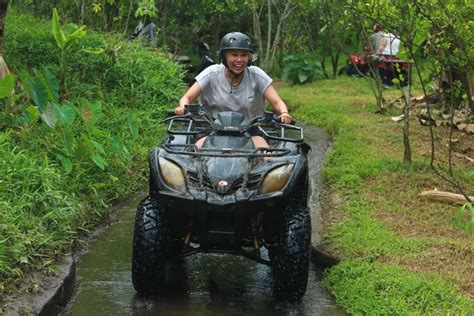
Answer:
(388, 67)
(226, 197)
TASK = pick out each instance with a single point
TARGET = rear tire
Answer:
(291, 259)
(149, 248)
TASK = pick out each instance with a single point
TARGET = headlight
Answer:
(172, 174)
(276, 179)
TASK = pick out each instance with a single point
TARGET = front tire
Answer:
(291, 260)
(149, 248)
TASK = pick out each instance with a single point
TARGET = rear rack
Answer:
(192, 150)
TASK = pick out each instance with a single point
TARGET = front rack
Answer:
(192, 150)
(282, 137)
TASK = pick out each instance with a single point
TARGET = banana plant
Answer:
(64, 41)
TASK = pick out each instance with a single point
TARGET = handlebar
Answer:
(195, 113)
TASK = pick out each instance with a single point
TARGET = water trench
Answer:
(203, 284)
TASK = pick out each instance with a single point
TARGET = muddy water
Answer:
(203, 284)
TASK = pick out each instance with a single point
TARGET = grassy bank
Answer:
(401, 254)
(58, 181)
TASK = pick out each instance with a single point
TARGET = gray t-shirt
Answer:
(218, 95)
(376, 40)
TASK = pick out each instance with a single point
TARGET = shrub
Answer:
(44, 202)
(301, 68)
(28, 44)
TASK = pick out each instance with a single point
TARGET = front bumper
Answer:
(218, 223)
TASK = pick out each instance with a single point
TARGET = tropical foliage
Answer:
(75, 128)
(79, 112)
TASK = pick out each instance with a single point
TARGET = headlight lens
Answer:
(172, 174)
(276, 179)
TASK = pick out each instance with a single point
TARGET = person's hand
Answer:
(285, 118)
(179, 110)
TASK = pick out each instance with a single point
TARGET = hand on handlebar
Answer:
(179, 110)
(285, 118)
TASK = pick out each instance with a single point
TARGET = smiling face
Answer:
(237, 60)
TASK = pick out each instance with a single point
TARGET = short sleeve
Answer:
(263, 80)
(203, 78)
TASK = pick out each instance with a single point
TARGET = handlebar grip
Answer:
(192, 108)
(276, 118)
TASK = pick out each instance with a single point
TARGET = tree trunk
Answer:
(257, 29)
(163, 13)
(286, 12)
(335, 63)
(130, 7)
(3, 13)
(406, 122)
(464, 78)
(269, 35)
(81, 19)
(323, 67)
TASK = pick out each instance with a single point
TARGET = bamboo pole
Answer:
(444, 196)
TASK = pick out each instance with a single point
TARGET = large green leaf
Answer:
(52, 85)
(27, 82)
(49, 116)
(75, 36)
(66, 114)
(7, 85)
(29, 116)
(57, 32)
(40, 93)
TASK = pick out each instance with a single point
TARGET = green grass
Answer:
(371, 288)
(366, 146)
(363, 235)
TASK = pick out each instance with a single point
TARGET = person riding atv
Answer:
(229, 178)
(379, 56)
(235, 85)
(225, 197)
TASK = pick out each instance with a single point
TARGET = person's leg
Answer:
(200, 142)
(260, 142)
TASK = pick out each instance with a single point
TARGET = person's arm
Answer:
(188, 98)
(278, 104)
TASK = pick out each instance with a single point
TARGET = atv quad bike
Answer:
(388, 67)
(226, 197)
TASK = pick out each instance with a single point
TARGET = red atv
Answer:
(389, 67)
